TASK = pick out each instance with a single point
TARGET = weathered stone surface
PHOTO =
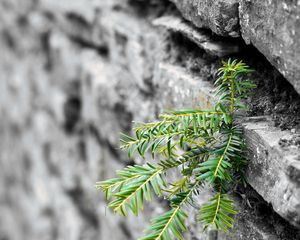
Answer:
(179, 89)
(136, 47)
(59, 130)
(221, 16)
(276, 168)
(273, 27)
(201, 37)
(46, 174)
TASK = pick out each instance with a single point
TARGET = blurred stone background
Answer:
(76, 73)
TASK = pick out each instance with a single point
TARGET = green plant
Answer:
(205, 145)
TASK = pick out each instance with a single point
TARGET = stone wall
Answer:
(76, 73)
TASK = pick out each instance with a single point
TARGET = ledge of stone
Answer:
(201, 37)
(273, 171)
(276, 168)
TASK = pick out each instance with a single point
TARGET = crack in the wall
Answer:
(77, 19)
(102, 49)
(102, 141)
(45, 38)
(72, 113)
(79, 198)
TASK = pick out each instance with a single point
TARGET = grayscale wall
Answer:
(76, 73)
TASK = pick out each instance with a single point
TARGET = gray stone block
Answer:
(273, 27)
(274, 170)
(221, 16)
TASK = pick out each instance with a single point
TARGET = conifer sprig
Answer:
(217, 212)
(205, 145)
(172, 223)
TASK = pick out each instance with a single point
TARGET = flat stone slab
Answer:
(202, 38)
(274, 169)
(273, 27)
(221, 16)
(274, 166)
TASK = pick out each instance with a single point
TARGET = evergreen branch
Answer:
(152, 137)
(172, 222)
(198, 120)
(178, 186)
(187, 128)
(132, 195)
(212, 147)
(230, 80)
(232, 100)
(158, 136)
(215, 166)
(217, 212)
(222, 158)
(150, 125)
(189, 113)
(217, 171)
(194, 153)
(114, 184)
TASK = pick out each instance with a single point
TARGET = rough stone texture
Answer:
(59, 128)
(275, 167)
(221, 16)
(73, 74)
(273, 27)
(202, 38)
